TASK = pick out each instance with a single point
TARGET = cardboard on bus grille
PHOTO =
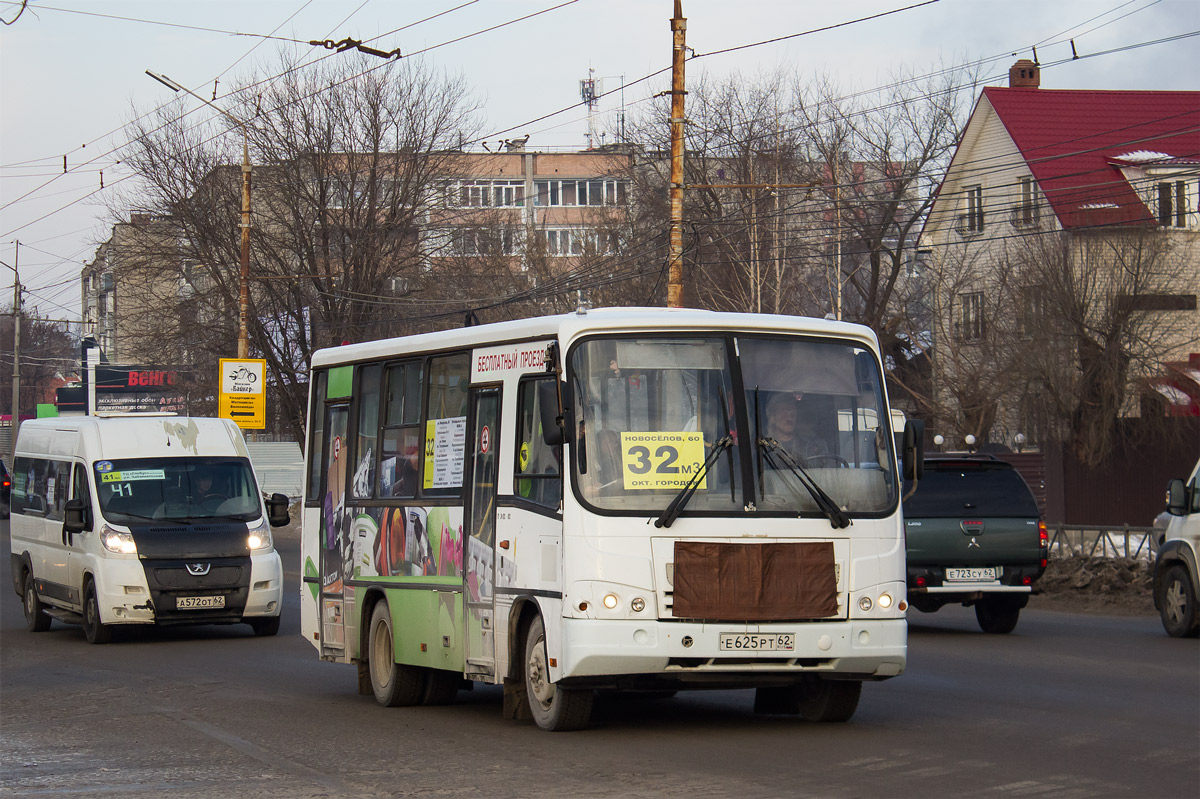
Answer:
(754, 582)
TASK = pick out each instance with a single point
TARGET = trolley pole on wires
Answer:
(675, 237)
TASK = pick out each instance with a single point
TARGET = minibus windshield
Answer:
(139, 490)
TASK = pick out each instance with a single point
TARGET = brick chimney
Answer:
(1024, 75)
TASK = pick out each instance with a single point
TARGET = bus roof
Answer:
(567, 326)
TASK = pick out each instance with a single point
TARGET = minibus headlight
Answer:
(117, 541)
(259, 538)
(610, 601)
(885, 601)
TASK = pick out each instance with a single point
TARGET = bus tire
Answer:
(36, 618)
(823, 701)
(96, 631)
(441, 687)
(394, 684)
(554, 708)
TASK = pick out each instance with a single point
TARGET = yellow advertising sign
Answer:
(660, 460)
(243, 392)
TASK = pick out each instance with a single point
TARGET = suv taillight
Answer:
(1044, 542)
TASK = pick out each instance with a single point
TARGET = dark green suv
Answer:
(974, 537)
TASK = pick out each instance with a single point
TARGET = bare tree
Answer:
(345, 166)
(48, 351)
(1103, 305)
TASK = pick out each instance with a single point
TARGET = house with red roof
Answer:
(1066, 244)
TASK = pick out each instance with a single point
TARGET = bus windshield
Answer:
(137, 490)
(810, 420)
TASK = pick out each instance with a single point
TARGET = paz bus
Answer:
(609, 499)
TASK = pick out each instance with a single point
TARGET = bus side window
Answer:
(446, 424)
(366, 441)
(538, 472)
(400, 455)
(316, 435)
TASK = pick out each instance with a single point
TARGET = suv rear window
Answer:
(951, 490)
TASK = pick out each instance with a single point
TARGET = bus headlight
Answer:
(259, 537)
(117, 541)
(865, 603)
(885, 601)
(610, 601)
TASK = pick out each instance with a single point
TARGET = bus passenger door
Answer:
(333, 532)
(479, 568)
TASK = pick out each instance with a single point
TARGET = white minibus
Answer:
(142, 519)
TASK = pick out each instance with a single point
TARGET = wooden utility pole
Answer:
(675, 237)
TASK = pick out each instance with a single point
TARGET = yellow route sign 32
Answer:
(243, 392)
(661, 460)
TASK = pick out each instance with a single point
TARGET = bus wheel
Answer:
(442, 687)
(554, 708)
(394, 684)
(36, 618)
(828, 700)
(96, 631)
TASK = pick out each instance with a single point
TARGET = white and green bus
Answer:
(634, 499)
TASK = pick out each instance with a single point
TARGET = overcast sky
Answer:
(72, 70)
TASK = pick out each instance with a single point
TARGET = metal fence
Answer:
(1096, 541)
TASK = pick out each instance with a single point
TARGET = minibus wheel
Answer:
(554, 708)
(394, 684)
(36, 618)
(96, 631)
(1177, 603)
(265, 626)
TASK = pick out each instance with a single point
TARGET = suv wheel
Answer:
(997, 615)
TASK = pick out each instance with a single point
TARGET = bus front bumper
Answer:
(686, 652)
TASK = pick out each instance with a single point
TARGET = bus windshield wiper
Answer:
(672, 511)
(838, 518)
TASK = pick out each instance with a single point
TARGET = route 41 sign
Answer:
(243, 393)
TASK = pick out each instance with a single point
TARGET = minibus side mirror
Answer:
(277, 510)
(1177, 501)
(549, 412)
(913, 450)
(74, 516)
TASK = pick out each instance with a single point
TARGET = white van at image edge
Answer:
(1176, 580)
(108, 525)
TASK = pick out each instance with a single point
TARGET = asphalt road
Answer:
(1067, 706)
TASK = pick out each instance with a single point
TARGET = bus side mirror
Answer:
(1177, 504)
(73, 516)
(277, 510)
(913, 451)
(549, 412)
